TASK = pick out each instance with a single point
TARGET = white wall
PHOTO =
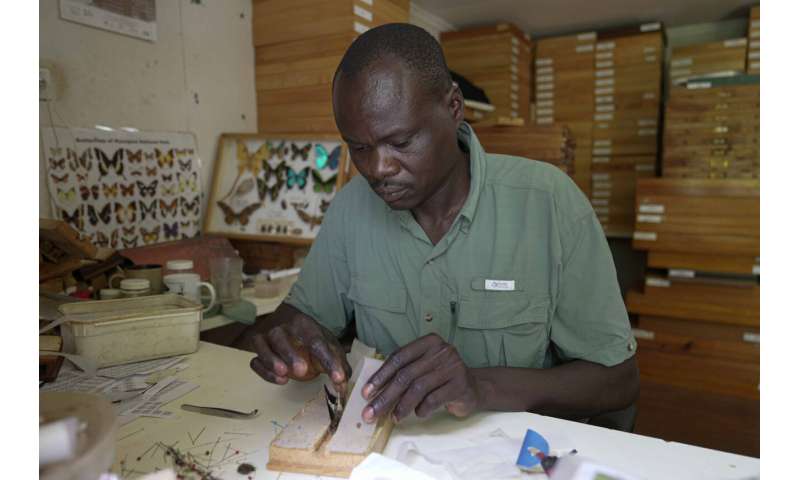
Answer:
(198, 76)
(430, 22)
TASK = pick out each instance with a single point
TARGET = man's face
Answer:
(401, 138)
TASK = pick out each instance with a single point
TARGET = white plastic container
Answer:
(113, 332)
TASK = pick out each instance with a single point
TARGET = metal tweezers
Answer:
(335, 407)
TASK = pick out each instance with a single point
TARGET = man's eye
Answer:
(402, 144)
(358, 148)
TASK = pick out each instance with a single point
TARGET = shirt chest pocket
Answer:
(380, 312)
(502, 328)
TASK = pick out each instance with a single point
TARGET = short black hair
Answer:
(411, 44)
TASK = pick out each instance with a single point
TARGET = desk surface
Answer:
(226, 381)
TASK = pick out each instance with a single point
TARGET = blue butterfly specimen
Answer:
(325, 159)
(296, 178)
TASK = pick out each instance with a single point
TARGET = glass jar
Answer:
(135, 287)
(178, 266)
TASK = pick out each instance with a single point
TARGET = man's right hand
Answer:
(300, 349)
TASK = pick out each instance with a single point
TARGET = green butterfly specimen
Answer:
(325, 186)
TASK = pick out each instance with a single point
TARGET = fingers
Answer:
(410, 375)
(435, 399)
(396, 361)
(281, 344)
(420, 389)
(265, 373)
(267, 357)
(329, 359)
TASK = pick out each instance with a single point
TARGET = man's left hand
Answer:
(421, 377)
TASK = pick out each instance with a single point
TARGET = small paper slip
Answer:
(74, 381)
(140, 368)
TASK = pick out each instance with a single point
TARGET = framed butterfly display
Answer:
(124, 189)
(274, 188)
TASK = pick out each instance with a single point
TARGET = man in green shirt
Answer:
(485, 279)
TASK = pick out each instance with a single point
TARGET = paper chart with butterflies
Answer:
(124, 189)
(270, 188)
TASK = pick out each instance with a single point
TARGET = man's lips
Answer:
(390, 193)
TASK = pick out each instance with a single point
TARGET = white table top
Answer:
(226, 381)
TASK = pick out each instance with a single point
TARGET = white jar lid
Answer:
(180, 265)
(135, 284)
(110, 293)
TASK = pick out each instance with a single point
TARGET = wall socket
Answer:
(47, 87)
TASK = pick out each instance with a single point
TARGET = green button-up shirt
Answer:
(523, 278)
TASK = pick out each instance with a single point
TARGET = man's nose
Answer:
(383, 164)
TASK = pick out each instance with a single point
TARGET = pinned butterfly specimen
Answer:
(114, 239)
(151, 236)
(191, 208)
(186, 224)
(269, 172)
(145, 210)
(56, 151)
(82, 178)
(168, 190)
(100, 239)
(66, 196)
(169, 208)
(323, 186)
(134, 157)
(166, 178)
(125, 214)
(130, 242)
(72, 159)
(171, 231)
(61, 179)
(301, 152)
(57, 164)
(149, 156)
(298, 179)
(165, 159)
(278, 151)
(187, 184)
(95, 216)
(245, 187)
(325, 159)
(86, 192)
(126, 190)
(297, 231)
(242, 217)
(135, 173)
(183, 152)
(323, 206)
(110, 191)
(185, 166)
(283, 204)
(110, 165)
(128, 231)
(312, 220)
(75, 219)
(146, 190)
(151, 172)
(247, 161)
(84, 162)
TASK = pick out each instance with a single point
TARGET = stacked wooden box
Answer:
(606, 87)
(496, 59)
(698, 323)
(552, 144)
(563, 79)
(298, 45)
(626, 117)
(714, 59)
(754, 41)
(712, 129)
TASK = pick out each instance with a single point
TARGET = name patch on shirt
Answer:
(500, 285)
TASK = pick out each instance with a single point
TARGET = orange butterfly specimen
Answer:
(110, 191)
(151, 236)
(168, 208)
(165, 159)
(126, 190)
(86, 192)
(151, 172)
(125, 214)
(61, 179)
(134, 157)
(242, 217)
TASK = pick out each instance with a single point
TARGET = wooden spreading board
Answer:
(306, 445)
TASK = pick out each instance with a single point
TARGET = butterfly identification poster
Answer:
(274, 188)
(124, 189)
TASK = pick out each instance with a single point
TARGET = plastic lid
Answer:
(180, 265)
(135, 284)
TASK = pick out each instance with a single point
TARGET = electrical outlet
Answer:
(47, 87)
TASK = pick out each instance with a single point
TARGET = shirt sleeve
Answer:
(590, 321)
(321, 289)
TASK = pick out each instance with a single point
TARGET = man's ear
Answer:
(455, 103)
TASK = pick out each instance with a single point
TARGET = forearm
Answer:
(577, 389)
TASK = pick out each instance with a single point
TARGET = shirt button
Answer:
(428, 317)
